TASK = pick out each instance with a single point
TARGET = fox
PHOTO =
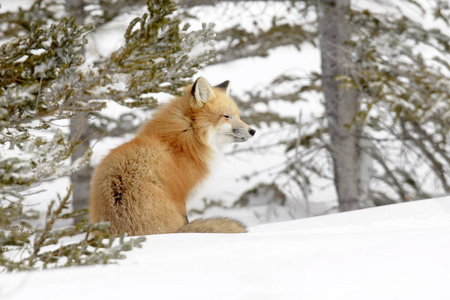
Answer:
(141, 187)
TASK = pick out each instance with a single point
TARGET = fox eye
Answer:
(227, 117)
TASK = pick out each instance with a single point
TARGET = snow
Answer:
(14, 5)
(399, 251)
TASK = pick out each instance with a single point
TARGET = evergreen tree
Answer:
(43, 81)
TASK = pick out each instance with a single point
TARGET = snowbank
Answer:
(394, 252)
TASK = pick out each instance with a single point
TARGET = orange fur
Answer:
(141, 186)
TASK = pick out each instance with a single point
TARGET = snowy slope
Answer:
(394, 252)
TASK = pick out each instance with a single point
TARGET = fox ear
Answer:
(224, 86)
(202, 91)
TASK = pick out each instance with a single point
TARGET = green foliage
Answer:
(38, 73)
(36, 70)
(155, 57)
(20, 22)
(43, 247)
(160, 54)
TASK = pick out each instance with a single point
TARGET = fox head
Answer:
(216, 116)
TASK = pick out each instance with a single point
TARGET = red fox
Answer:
(141, 187)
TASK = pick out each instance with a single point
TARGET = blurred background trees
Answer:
(383, 135)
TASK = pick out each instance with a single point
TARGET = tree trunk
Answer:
(79, 131)
(341, 103)
(81, 179)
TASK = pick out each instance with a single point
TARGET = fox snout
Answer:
(243, 134)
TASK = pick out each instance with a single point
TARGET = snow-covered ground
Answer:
(398, 252)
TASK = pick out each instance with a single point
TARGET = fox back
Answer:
(141, 187)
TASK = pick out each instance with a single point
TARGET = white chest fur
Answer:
(203, 187)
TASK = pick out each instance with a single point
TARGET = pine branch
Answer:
(97, 246)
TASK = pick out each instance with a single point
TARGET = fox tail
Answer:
(213, 225)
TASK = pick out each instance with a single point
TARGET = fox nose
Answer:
(252, 131)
